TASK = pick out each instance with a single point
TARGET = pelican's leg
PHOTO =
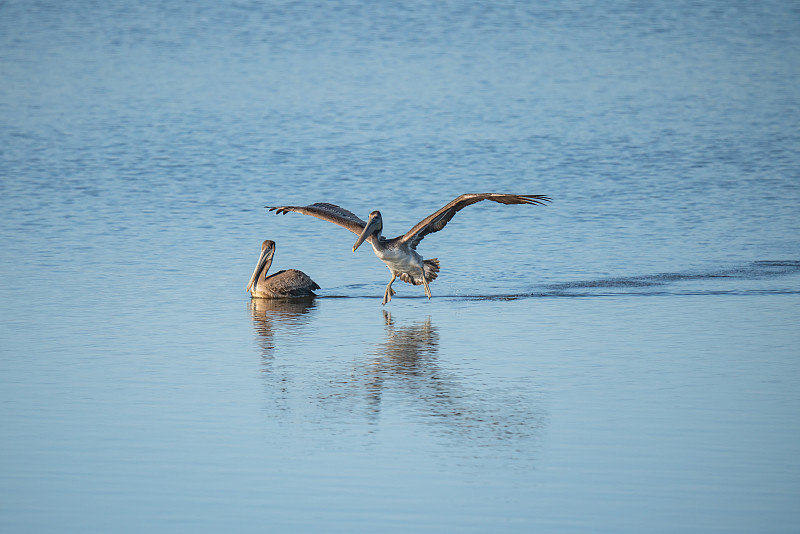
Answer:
(425, 283)
(387, 295)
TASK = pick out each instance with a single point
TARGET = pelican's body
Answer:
(281, 285)
(402, 260)
(400, 254)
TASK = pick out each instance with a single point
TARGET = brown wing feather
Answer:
(326, 212)
(436, 221)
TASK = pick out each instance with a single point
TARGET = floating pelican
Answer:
(281, 285)
(399, 254)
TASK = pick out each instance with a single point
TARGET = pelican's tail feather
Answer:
(431, 269)
(431, 272)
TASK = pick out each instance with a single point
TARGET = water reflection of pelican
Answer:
(333, 384)
(407, 347)
(400, 254)
(269, 314)
(409, 361)
(409, 351)
(290, 283)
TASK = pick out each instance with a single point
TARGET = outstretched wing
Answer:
(436, 221)
(326, 212)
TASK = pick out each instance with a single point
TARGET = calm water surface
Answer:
(626, 359)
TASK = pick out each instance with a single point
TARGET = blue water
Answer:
(626, 359)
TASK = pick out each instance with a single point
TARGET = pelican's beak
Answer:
(263, 265)
(372, 225)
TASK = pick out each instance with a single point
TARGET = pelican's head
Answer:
(374, 226)
(264, 262)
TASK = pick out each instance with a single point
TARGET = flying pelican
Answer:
(281, 285)
(399, 254)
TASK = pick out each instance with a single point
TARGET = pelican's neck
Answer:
(262, 274)
(262, 267)
(375, 236)
(258, 278)
(381, 246)
(376, 239)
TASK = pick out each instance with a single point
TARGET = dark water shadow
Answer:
(730, 280)
(664, 283)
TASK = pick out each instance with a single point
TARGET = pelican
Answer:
(281, 285)
(400, 254)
